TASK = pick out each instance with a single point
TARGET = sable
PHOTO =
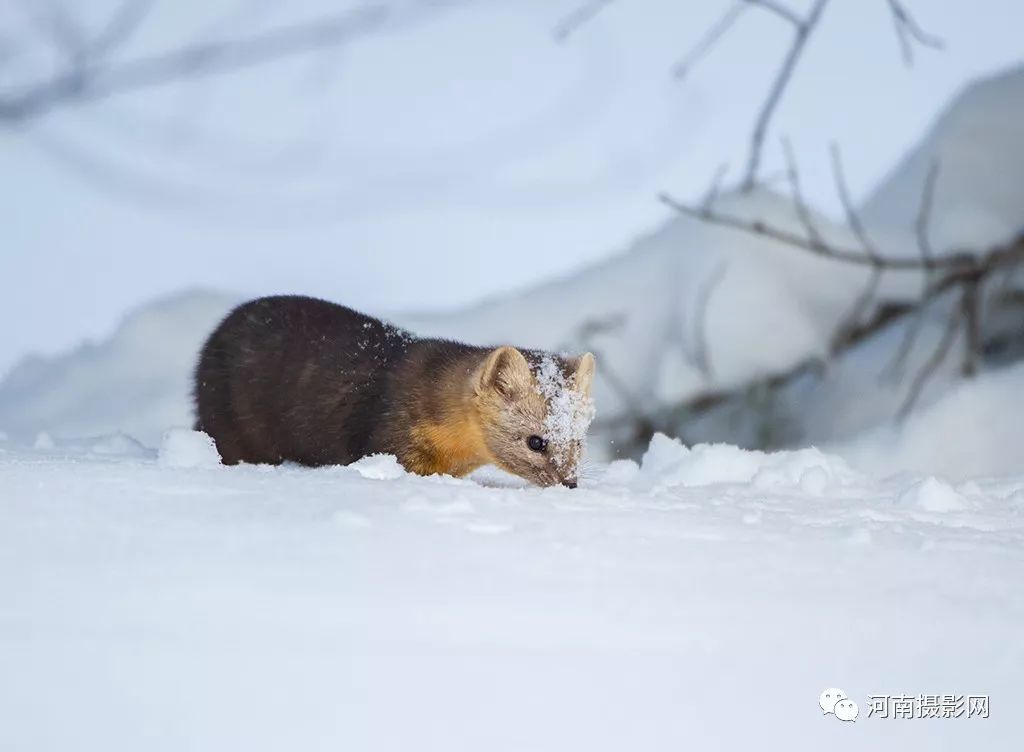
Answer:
(292, 378)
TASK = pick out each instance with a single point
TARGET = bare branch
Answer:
(715, 187)
(909, 32)
(54, 23)
(921, 229)
(580, 17)
(121, 26)
(203, 59)
(894, 371)
(852, 217)
(818, 246)
(707, 42)
(850, 322)
(778, 9)
(801, 34)
(924, 214)
(969, 311)
(796, 192)
(931, 365)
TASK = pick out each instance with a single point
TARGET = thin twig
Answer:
(778, 9)
(53, 21)
(803, 212)
(931, 365)
(816, 246)
(908, 32)
(922, 227)
(715, 187)
(969, 310)
(201, 59)
(852, 217)
(121, 26)
(851, 321)
(924, 245)
(711, 38)
(579, 18)
(894, 371)
(800, 36)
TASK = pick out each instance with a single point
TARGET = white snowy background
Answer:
(458, 170)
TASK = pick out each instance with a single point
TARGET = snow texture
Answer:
(570, 413)
(184, 448)
(701, 599)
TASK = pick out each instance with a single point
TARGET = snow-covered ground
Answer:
(701, 600)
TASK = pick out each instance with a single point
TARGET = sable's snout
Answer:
(569, 483)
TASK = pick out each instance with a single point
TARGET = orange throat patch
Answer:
(452, 448)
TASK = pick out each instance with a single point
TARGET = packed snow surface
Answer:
(702, 599)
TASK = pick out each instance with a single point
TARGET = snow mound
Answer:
(137, 382)
(934, 495)
(668, 463)
(379, 467)
(969, 431)
(976, 144)
(184, 448)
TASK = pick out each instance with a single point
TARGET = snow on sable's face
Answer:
(569, 412)
(535, 417)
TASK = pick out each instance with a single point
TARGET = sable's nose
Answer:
(570, 483)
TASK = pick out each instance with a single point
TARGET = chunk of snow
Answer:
(934, 495)
(379, 467)
(184, 448)
(668, 463)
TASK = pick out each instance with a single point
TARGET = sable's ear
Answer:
(506, 371)
(584, 375)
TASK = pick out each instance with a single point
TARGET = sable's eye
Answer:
(537, 444)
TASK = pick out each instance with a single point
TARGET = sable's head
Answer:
(535, 417)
